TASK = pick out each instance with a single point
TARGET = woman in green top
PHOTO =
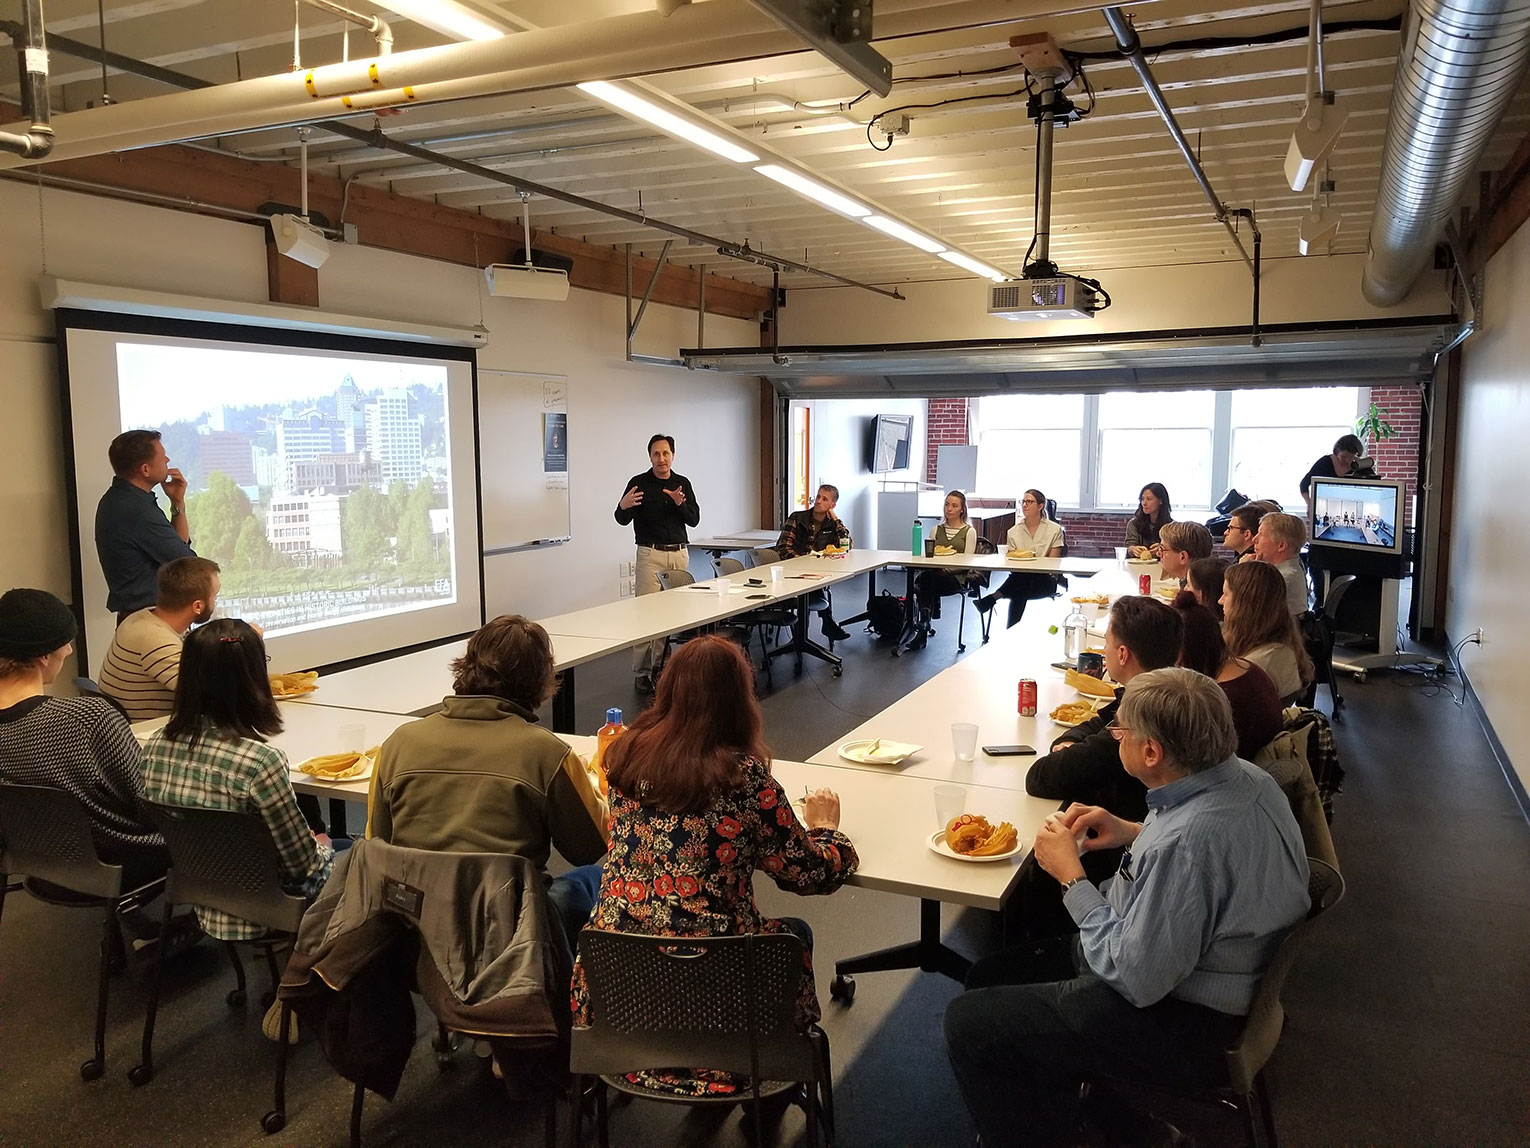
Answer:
(957, 533)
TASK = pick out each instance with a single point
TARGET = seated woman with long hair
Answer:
(1204, 580)
(1036, 535)
(1255, 705)
(1153, 514)
(1258, 626)
(213, 754)
(955, 533)
(694, 812)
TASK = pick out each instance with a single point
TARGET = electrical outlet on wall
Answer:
(623, 588)
(632, 587)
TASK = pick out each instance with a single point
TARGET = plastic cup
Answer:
(964, 740)
(721, 587)
(353, 738)
(1120, 554)
(950, 802)
(776, 574)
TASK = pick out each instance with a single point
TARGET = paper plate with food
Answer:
(832, 552)
(1142, 561)
(340, 766)
(971, 837)
(293, 685)
(1075, 712)
(944, 551)
(878, 751)
(1019, 555)
(1090, 599)
(1088, 685)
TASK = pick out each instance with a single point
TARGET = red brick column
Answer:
(1397, 457)
(945, 425)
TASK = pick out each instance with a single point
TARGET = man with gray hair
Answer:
(1279, 542)
(1169, 951)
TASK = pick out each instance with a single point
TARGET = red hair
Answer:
(688, 747)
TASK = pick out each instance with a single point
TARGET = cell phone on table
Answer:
(1008, 750)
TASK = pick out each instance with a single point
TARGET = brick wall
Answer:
(1097, 534)
(946, 425)
(1397, 457)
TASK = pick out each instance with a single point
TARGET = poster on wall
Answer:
(554, 442)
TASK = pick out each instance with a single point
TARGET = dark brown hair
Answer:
(223, 685)
(130, 450)
(963, 497)
(1034, 493)
(1150, 629)
(1259, 614)
(1148, 527)
(184, 581)
(1205, 575)
(1201, 649)
(510, 658)
(688, 747)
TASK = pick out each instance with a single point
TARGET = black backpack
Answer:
(884, 614)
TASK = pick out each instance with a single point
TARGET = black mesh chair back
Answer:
(88, 688)
(727, 1003)
(45, 835)
(226, 860)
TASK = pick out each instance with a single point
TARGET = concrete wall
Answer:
(614, 405)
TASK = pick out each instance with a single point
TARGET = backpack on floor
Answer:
(884, 614)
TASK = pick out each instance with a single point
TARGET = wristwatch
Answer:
(1066, 885)
(176, 511)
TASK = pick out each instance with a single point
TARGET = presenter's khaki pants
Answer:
(649, 563)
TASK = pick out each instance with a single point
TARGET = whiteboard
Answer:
(523, 459)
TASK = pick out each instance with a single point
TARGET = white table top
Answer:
(736, 540)
(1082, 566)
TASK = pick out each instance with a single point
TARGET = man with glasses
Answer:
(1169, 952)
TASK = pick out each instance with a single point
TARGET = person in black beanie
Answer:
(81, 745)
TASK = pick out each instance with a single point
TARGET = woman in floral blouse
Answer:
(694, 811)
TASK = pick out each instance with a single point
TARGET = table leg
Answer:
(563, 719)
(915, 633)
(927, 954)
(801, 644)
(337, 826)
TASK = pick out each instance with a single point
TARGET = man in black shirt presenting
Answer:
(133, 536)
(1339, 464)
(659, 505)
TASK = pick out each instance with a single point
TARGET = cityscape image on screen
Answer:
(320, 483)
(1359, 517)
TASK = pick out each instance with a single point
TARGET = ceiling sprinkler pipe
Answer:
(32, 57)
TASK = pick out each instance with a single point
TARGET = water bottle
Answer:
(1075, 636)
(918, 539)
(604, 736)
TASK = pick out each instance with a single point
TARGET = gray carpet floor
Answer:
(1409, 1011)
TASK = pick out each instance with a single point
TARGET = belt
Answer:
(662, 545)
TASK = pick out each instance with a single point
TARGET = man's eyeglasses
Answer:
(1117, 731)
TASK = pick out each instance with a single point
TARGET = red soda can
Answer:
(1145, 585)
(1027, 697)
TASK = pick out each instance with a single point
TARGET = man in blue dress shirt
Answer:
(1169, 951)
(133, 536)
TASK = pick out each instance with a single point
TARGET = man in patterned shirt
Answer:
(810, 531)
(144, 660)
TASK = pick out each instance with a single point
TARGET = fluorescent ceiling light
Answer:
(907, 234)
(977, 267)
(448, 18)
(627, 101)
(814, 190)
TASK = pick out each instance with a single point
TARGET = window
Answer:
(1097, 451)
(1162, 436)
(1031, 441)
(1277, 435)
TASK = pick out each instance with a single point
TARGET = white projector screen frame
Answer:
(88, 378)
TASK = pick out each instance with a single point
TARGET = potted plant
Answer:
(1373, 426)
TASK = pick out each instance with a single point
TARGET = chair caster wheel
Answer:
(897, 651)
(273, 1122)
(92, 1069)
(839, 671)
(235, 998)
(140, 1074)
(842, 989)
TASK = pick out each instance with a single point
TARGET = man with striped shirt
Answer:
(144, 661)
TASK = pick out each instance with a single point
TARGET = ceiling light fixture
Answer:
(976, 266)
(904, 232)
(448, 18)
(802, 185)
(1318, 130)
(1319, 226)
(670, 120)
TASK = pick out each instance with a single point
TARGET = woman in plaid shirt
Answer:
(213, 754)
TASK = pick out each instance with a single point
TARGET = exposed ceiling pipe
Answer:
(1131, 48)
(381, 31)
(614, 47)
(1458, 67)
(32, 58)
(377, 139)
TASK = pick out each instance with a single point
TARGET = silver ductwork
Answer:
(1457, 69)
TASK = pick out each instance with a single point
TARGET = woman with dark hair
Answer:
(1033, 536)
(956, 535)
(1153, 513)
(481, 776)
(1204, 580)
(1255, 705)
(1259, 627)
(213, 754)
(694, 812)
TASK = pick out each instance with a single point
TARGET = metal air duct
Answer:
(1458, 66)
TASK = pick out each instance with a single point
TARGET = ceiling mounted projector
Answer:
(518, 281)
(1317, 229)
(1316, 133)
(1042, 299)
(298, 239)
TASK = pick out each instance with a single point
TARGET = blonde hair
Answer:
(1189, 537)
(1285, 528)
